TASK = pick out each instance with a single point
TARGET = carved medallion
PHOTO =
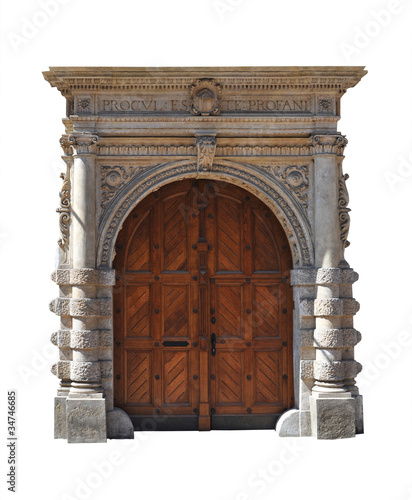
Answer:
(205, 97)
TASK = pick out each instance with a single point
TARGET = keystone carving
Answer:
(206, 148)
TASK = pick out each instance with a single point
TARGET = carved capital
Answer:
(66, 145)
(329, 144)
(83, 142)
(206, 149)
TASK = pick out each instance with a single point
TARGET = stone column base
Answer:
(332, 415)
(86, 419)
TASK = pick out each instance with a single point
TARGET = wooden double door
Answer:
(202, 310)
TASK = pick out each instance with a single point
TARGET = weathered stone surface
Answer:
(327, 307)
(81, 307)
(86, 420)
(60, 418)
(288, 424)
(119, 425)
(333, 418)
(85, 371)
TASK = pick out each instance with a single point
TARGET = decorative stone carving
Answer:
(344, 217)
(287, 217)
(329, 144)
(146, 150)
(295, 178)
(113, 178)
(205, 97)
(328, 372)
(64, 211)
(83, 142)
(83, 104)
(326, 105)
(206, 148)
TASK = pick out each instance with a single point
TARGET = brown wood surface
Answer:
(193, 259)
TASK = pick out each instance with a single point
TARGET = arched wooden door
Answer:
(203, 310)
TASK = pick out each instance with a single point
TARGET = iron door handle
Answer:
(214, 342)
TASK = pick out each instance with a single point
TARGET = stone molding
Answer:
(87, 80)
(63, 306)
(346, 306)
(82, 339)
(83, 276)
(286, 209)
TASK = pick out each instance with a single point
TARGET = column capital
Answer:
(81, 142)
(329, 144)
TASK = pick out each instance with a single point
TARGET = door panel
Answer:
(196, 261)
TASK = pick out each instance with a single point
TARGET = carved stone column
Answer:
(332, 405)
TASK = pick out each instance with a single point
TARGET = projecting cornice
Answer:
(69, 79)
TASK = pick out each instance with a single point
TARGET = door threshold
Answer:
(191, 422)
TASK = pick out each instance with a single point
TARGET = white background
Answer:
(376, 117)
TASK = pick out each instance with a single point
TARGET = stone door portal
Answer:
(202, 310)
(203, 281)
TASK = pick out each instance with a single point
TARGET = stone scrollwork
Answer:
(206, 148)
(64, 211)
(294, 178)
(83, 142)
(344, 217)
(329, 144)
(113, 178)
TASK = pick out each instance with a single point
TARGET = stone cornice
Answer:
(94, 79)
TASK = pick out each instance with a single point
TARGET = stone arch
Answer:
(268, 189)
